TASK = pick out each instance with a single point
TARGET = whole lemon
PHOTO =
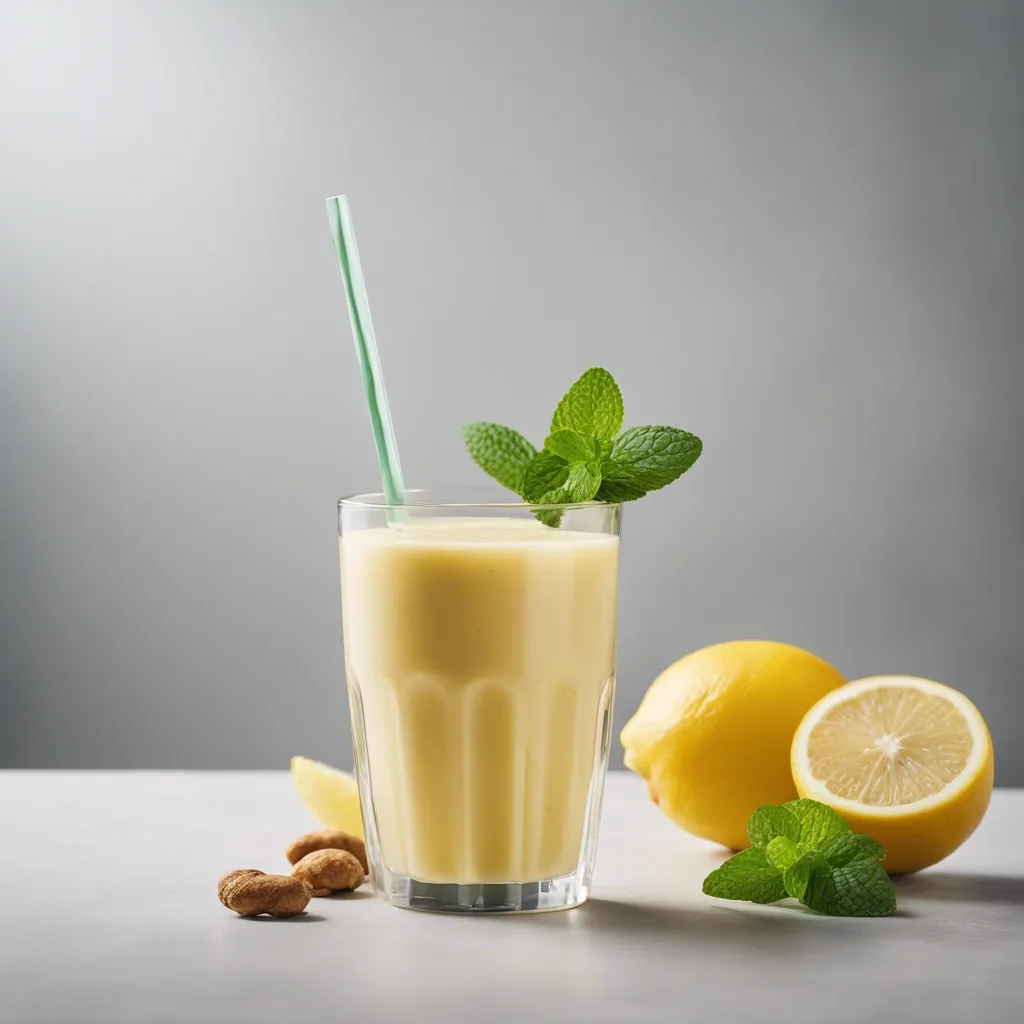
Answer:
(712, 736)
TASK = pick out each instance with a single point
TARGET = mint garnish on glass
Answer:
(805, 850)
(586, 456)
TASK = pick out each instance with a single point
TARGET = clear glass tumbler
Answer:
(480, 653)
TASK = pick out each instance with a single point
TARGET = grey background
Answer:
(791, 227)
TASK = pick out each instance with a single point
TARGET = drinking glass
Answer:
(480, 655)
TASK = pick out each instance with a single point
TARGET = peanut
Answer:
(327, 871)
(249, 892)
(327, 839)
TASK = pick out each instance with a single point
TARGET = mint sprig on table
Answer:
(586, 456)
(805, 850)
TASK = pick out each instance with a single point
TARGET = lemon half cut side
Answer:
(904, 760)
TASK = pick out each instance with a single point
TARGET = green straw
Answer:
(366, 349)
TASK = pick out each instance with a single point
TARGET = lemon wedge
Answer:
(330, 795)
(906, 761)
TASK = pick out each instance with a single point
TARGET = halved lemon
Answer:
(330, 795)
(904, 760)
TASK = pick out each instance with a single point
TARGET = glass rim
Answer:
(415, 498)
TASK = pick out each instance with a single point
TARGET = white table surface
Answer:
(108, 912)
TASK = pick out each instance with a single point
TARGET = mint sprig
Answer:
(805, 850)
(586, 455)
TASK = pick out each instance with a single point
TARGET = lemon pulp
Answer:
(890, 746)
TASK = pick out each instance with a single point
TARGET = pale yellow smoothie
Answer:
(481, 659)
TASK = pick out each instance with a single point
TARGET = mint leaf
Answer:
(552, 516)
(573, 447)
(618, 483)
(860, 889)
(584, 480)
(849, 849)
(797, 877)
(817, 822)
(747, 876)
(499, 451)
(545, 473)
(770, 821)
(646, 458)
(782, 852)
(592, 406)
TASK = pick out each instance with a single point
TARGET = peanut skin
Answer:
(327, 839)
(249, 892)
(327, 871)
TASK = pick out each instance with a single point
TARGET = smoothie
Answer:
(480, 656)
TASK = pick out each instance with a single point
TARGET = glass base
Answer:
(493, 898)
